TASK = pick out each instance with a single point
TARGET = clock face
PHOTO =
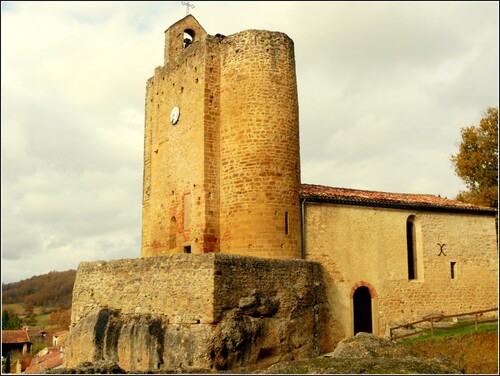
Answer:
(174, 115)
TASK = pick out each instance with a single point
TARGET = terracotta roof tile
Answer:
(15, 336)
(51, 360)
(385, 199)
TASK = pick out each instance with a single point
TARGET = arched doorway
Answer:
(362, 303)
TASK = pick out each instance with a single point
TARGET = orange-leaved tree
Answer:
(476, 162)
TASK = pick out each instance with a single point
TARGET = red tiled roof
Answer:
(385, 199)
(51, 360)
(15, 336)
(25, 362)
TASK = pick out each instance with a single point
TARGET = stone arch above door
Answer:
(370, 287)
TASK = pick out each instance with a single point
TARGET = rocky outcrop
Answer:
(248, 335)
(101, 367)
(133, 341)
(368, 354)
(245, 317)
(361, 354)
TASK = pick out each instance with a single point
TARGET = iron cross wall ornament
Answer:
(441, 246)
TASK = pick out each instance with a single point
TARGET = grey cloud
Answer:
(384, 88)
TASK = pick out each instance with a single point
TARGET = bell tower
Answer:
(180, 206)
(221, 146)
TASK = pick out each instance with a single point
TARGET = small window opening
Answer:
(188, 38)
(187, 211)
(286, 223)
(187, 249)
(411, 249)
(452, 269)
(172, 233)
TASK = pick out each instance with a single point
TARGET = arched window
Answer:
(411, 247)
(188, 38)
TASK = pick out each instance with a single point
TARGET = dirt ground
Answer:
(475, 353)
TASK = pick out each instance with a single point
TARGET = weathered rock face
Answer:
(368, 354)
(138, 342)
(134, 341)
(249, 316)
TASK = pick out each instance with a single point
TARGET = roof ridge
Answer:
(388, 199)
(370, 190)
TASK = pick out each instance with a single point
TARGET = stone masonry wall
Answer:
(226, 177)
(153, 285)
(259, 136)
(180, 183)
(363, 246)
(206, 311)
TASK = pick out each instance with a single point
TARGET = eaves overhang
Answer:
(430, 203)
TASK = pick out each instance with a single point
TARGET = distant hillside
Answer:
(52, 289)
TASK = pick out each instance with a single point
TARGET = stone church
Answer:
(242, 264)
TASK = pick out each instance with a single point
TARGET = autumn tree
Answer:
(476, 162)
(61, 318)
(29, 309)
(47, 290)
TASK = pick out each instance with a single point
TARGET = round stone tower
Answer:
(221, 149)
(259, 146)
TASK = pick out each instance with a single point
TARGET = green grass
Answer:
(42, 315)
(456, 330)
(42, 320)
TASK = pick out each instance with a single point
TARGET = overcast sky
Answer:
(384, 88)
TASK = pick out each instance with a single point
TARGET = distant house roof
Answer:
(52, 360)
(36, 334)
(60, 333)
(320, 193)
(15, 336)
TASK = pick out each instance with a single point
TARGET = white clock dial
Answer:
(174, 115)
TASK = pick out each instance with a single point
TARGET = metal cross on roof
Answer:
(188, 5)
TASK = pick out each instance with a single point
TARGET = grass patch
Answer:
(43, 323)
(456, 330)
(20, 309)
(43, 319)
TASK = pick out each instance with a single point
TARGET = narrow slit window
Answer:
(286, 223)
(411, 249)
(187, 211)
(452, 269)
(173, 233)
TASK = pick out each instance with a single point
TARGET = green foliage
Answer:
(10, 321)
(37, 347)
(52, 289)
(5, 318)
(476, 162)
(31, 319)
(7, 363)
